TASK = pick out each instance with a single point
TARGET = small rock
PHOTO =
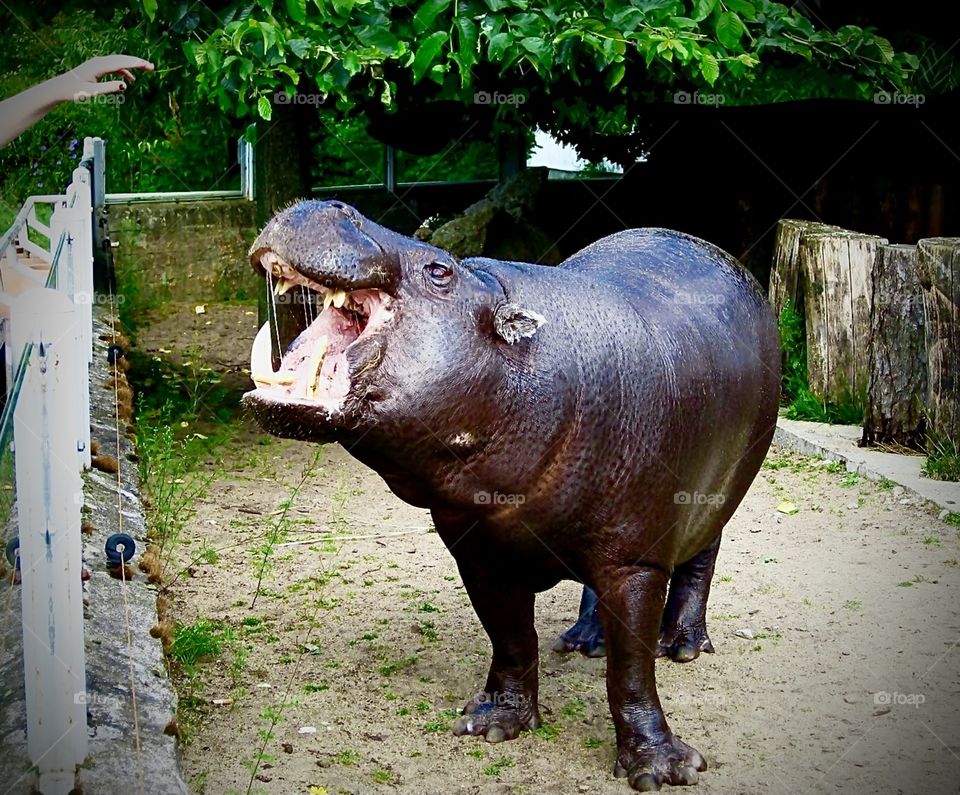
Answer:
(264, 685)
(904, 501)
(850, 699)
(745, 633)
(882, 711)
(942, 516)
(897, 491)
(307, 730)
(287, 748)
(222, 702)
(852, 506)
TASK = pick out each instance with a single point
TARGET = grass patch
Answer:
(943, 460)
(389, 669)
(381, 776)
(348, 758)
(801, 403)
(498, 767)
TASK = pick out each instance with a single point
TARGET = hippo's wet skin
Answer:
(597, 421)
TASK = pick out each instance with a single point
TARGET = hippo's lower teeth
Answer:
(316, 362)
(273, 379)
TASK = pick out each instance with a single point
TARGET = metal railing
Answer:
(46, 329)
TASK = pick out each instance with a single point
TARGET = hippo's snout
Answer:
(329, 243)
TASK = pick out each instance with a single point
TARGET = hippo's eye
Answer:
(438, 274)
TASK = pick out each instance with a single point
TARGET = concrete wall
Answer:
(184, 251)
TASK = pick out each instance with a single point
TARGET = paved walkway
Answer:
(839, 442)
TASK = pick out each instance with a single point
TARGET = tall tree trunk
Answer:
(939, 272)
(897, 352)
(282, 175)
(837, 270)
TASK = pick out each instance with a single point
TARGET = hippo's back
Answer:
(662, 265)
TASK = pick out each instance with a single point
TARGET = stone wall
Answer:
(184, 251)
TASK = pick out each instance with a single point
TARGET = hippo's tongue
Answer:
(316, 359)
(315, 365)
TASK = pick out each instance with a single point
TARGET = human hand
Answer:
(82, 82)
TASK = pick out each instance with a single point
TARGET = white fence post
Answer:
(49, 497)
(75, 279)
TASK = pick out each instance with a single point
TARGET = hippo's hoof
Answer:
(685, 644)
(497, 716)
(672, 762)
(587, 646)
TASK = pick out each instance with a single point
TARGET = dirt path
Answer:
(364, 642)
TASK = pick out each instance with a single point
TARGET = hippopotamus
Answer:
(597, 421)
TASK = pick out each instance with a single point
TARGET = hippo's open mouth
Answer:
(314, 368)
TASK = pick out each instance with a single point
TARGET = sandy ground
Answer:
(364, 644)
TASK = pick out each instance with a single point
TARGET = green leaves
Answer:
(424, 18)
(264, 109)
(624, 54)
(709, 68)
(427, 54)
(702, 9)
(729, 30)
(297, 9)
(150, 9)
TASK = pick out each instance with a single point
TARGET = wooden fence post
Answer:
(785, 281)
(897, 351)
(837, 272)
(49, 498)
(938, 267)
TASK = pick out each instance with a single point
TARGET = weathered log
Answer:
(897, 352)
(785, 281)
(938, 268)
(837, 273)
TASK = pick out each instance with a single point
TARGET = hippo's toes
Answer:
(588, 646)
(684, 644)
(672, 762)
(496, 718)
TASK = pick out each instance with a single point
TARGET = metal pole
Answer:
(390, 168)
(49, 497)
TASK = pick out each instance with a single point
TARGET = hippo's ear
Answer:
(512, 322)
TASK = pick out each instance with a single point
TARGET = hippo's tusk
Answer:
(261, 357)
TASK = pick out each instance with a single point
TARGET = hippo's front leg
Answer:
(507, 704)
(631, 604)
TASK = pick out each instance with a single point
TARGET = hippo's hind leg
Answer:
(648, 753)
(585, 636)
(683, 631)
(507, 704)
